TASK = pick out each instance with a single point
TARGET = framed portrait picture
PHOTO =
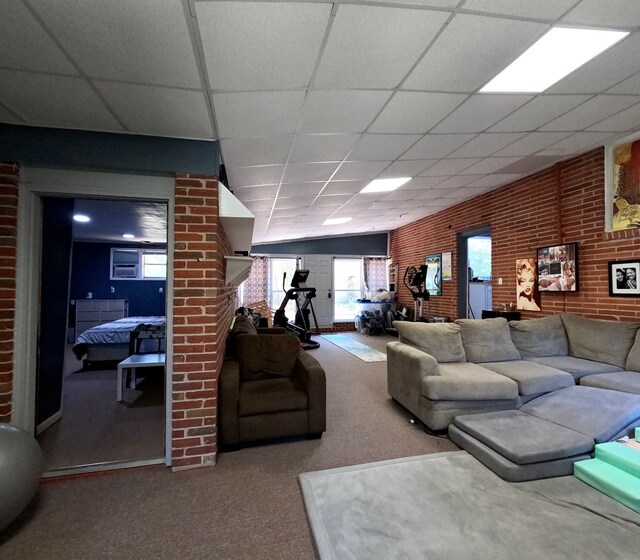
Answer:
(433, 280)
(527, 294)
(622, 184)
(623, 278)
(558, 268)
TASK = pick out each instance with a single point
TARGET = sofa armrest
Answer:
(406, 366)
(228, 396)
(311, 376)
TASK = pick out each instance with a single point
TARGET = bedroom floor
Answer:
(95, 428)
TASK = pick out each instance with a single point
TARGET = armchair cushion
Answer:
(243, 325)
(265, 396)
(267, 355)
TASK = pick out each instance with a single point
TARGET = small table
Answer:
(136, 361)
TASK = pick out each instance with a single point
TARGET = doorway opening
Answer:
(474, 272)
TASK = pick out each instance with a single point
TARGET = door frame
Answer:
(36, 183)
(463, 270)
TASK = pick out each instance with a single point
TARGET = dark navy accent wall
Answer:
(90, 273)
(126, 152)
(372, 245)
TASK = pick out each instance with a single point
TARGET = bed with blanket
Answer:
(110, 341)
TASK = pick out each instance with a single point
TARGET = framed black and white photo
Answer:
(623, 278)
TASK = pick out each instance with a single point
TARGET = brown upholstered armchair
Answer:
(270, 389)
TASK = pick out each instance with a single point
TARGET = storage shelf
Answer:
(238, 270)
(237, 221)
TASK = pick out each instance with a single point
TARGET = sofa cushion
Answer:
(598, 340)
(625, 381)
(545, 336)
(577, 367)
(440, 340)
(467, 382)
(265, 396)
(266, 355)
(633, 359)
(487, 340)
(532, 378)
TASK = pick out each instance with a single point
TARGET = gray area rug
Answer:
(356, 348)
(449, 506)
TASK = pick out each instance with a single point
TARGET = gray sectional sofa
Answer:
(441, 370)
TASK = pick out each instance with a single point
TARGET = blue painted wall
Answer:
(373, 245)
(90, 273)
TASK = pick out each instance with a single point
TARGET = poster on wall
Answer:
(527, 293)
(558, 268)
(433, 280)
(622, 182)
(446, 266)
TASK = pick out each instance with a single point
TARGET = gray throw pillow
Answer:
(487, 340)
(440, 340)
(600, 340)
(545, 336)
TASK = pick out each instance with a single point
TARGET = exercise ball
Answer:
(20, 470)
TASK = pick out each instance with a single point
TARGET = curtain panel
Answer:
(375, 273)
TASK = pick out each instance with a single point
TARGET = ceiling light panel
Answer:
(374, 47)
(151, 39)
(470, 51)
(558, 53)
(385, 185)
(241, 42)
(241, 152)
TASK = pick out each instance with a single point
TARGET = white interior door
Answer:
(320, 274)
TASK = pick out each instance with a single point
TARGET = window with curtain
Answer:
(375, 273)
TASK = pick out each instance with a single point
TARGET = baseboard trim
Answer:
(48, 422)
(100, 467)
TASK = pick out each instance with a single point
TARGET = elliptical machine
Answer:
(301, 327)
(414, 281)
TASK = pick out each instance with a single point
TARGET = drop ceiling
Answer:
(312, 100)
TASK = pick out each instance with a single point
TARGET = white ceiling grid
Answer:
(312, 99)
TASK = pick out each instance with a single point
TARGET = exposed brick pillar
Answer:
(8, 234)
(202, 308)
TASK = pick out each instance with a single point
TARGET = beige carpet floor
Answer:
(249, 506)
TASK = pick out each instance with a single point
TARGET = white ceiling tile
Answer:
(295, 202)
(159, 111)
(423, 182)
(261, 45)
(146, 41)
(539, 111)
(627, 120)
(480, 112)
(409, 168)
(343, 187)
(285, 213)
(489, 165)
(487, 144)
(259, 205)
(576, 143)
(304, 172)
(614, 13)
(459, 181)
(531, 143)
(436, 146)
(400, 194)
(470, 51)
(614, 65)
(251, 176)
(385, 205)
(411, 111)
(462, 194)
(540, 9)
(449, 166)
(246, 194)
(25, 46)
(241, 152)
(377, 147)
(332, 199)
(264, 113)
(590, 112)
(428, 3)
(630, 86)
(49, 100)
(341, 111)
(374, 47)
(359, 171)
(322, 147)
(301, 189)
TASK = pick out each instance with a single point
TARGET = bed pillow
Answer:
(440, 340)
(545, 336)
(487, 340)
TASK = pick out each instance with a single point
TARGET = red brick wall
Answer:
(8, 234)
(202, 310)
(562, 204)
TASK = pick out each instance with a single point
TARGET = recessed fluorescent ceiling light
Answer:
(81, 218)
(335, 221)
(558, 53)
(381, 185)
(128, 235)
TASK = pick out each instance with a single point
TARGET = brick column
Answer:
(202, 308)
(8, 234)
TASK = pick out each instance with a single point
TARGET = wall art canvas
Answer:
(558, 268)
(622, 179)
(527, 294)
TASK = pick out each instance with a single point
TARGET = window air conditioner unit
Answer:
(125, 270)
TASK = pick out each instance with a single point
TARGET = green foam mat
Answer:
(612, 481)
(619, 455)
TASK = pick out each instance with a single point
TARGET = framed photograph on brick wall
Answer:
(623, 278)
(558, 268)
(622, 184)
